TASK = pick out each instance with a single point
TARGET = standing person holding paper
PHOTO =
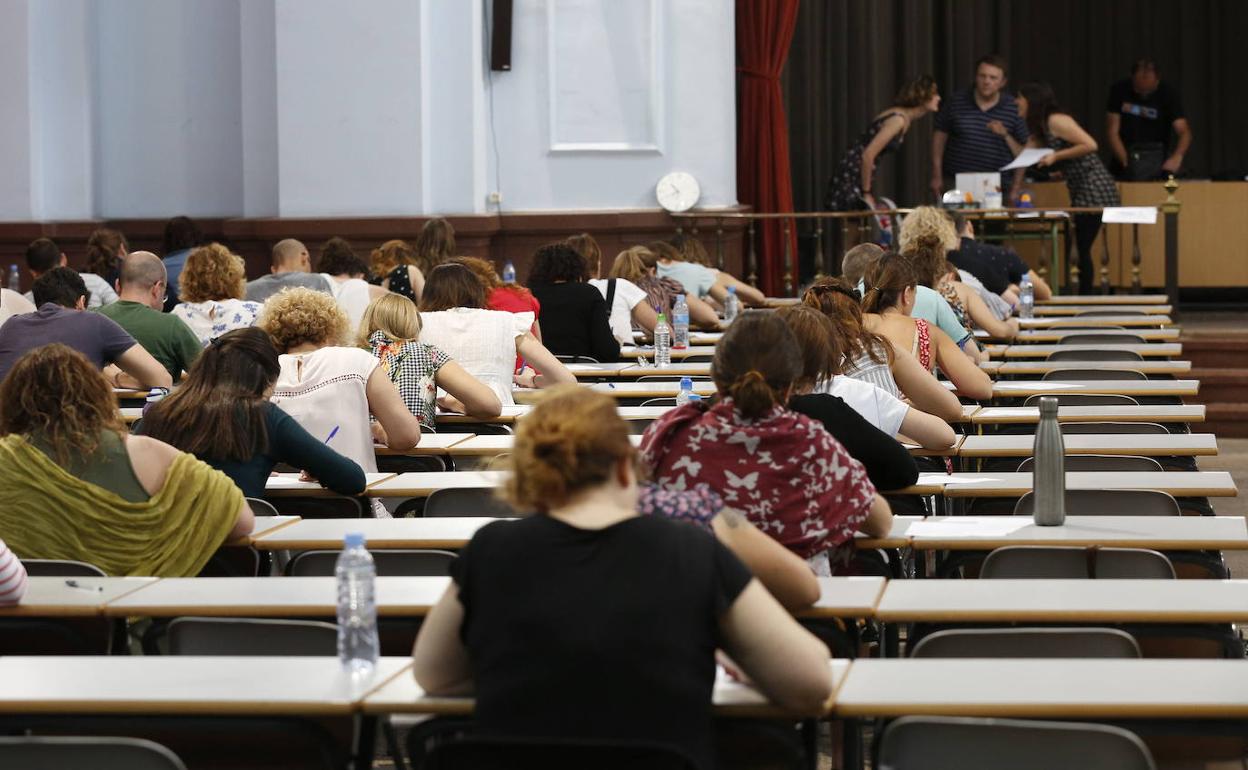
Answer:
(1074, 154)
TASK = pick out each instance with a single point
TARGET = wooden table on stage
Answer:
(1015, 368)
(1050, 688)
(1173, 533)
(1064, 601)
(1145, 349)
(176, 684)
(1030, 415)
(1025, 388)
(1136, 445)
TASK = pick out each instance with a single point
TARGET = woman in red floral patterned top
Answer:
(789, 476)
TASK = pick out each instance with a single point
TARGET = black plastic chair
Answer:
(1027, 643)
(1085, 375)
(31, 752)
(1094, 355)
(1093, 338)
(1100, 463)
(1121, 428)
(1083, 399)
(578, 359)
(61, 636)
(251, 636)
(389, 563)
(61, 568)
(466, 502)
(1029, 562)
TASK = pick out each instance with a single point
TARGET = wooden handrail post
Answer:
(752, 278)
(1105, 260)
(1135, 257)
(788, 257)
(821, 256)
(1171, 211)
(719, 242)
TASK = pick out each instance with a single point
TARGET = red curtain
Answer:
(764, 31)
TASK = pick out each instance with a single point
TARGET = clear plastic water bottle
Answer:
(1027, 298)
(509, 272)
(15, 279)
(1048, 475)
(662, 343)
(357, 608)
(732, 305)
(686, 390)
(680, 322)
(154, 397)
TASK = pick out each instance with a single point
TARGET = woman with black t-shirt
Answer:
(589, 621)
(575, 316)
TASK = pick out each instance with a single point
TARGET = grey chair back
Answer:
(698, 359)
(1083, 375)
(1088, 313)
(261, 507)
(1060, 562)
(968, 743)
(1109, 502)
(250, 636)
(36, 752)
(578, 359)
(389, 563)
(61, 568)
(661, 401)
(1027, 643)
(1100, 463)
(466, 502)
(1083, 399)
(1094, 355)
(1095, 338)
(1121, 428)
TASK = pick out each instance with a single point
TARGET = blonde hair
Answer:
(393, 315)
(572, 440)
(390, 255)
(927, 221)
(631, 264)
(299, 316)
(212, 272)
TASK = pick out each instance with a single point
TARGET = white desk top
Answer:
(508, 416)
(1158, 532)
(1065, 309)
(173, 684)
(487, 446)
(449, 532)
(1148, 445)
(272, 597)
(1056, 335)
(289, 485)
(1065, 601)
(54, 597)
(430, 444)
(1022, 388)
(1095, 320)
(1059, 688)
(1001, 415)
(1043, 367)
(651, 389)
(647, 351)
(424, 484)
(1105, 299)
(1177, 483)
(1146, 349)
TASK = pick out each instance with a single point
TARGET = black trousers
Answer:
(1086, 228)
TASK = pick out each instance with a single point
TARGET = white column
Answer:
(15, 128)
(258, 97)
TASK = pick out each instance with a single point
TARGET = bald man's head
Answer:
(291, 256)
(143, 279)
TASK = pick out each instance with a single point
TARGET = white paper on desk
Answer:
(1028, 157)
(1129, 215)
(957, 480)
(289, 481)
(969, 526)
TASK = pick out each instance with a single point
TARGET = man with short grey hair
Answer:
(292, 266)
(141, 291)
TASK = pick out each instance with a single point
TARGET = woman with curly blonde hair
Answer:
(330, 387)
(213, 284)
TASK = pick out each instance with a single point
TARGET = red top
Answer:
(514, 299)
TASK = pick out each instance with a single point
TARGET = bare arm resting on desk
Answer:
(785, 574)
(439, 660)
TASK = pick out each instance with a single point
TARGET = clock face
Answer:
(678, 191)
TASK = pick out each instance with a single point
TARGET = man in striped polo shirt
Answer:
(977, 130)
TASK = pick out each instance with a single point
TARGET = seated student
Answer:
(106, 248)
(393, 266)
(548, 613)
(789, 476)
(691, 250)
(74, 485)
(291, 268)
(888, 464)
(508, 297)
(696, 279)
(223, 416)
(626, 302)
(61, 298)
(345, 272)
(213, 284)
(43, 254)
(12, 577)
(485, 342)
(1000, 268)
(577, 321)
(928, 304)
(138, 310)
(873, 359)
(391, 331)
(639, 266)
(888, 306)
(329, 388)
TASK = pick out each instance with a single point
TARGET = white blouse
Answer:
(211, 319)
(353, 296)
(481, 341)
(326, 392)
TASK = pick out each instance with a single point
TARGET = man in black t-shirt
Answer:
(1142, 116)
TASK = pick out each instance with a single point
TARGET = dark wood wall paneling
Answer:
(512, 236)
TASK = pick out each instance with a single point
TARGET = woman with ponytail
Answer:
(792, 479)
(887, 304)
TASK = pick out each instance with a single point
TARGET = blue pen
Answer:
(331, 435)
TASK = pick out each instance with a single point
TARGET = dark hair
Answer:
(841, 304)
(338, 258)
(451, 285)
(856, 261)
(917, 92)
(103, 257)
(60, 285)
(886, 281)
(42, 255)
(435, 244)
(556, 262)
(928, 257)
(665, 250)
(181, 233)
(755, 362)
(218, 413)
(816, 338)
(993, 60)
(1041, 103)
(691, 249)
(959, 221)
(1144, 63)
(590, 251)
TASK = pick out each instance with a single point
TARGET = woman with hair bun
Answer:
(789, 476)
(547, 613)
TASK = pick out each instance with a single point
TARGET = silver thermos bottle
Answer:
(1048, 475)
